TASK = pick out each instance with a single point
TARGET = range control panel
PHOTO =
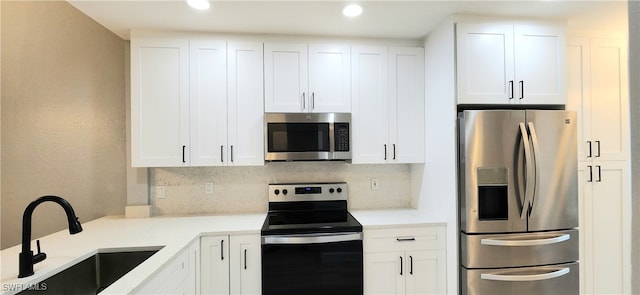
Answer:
(291, 192)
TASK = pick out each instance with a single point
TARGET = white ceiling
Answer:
(384, 19)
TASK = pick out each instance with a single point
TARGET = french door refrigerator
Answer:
(518, 202)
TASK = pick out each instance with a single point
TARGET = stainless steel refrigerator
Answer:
(518, 202)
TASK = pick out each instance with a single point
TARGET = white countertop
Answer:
(116, 233)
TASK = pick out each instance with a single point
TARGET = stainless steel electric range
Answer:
(311, 244)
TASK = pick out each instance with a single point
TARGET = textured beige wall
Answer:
(244, 189)
(63, 116)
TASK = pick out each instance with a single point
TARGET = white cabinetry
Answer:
(405, 260)
(230, 264)
(597, 83)
(301, 78)
(507, 63)
(196, 103)
(178, 277)
(388, 104)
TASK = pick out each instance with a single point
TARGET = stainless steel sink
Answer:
(93, 274)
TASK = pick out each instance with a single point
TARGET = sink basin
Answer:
(93, 274)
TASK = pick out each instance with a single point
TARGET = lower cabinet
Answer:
(230, 264)
(405, 260)
(178, 277)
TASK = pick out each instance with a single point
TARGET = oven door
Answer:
(312, 264)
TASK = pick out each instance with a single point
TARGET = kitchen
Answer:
(184, 186)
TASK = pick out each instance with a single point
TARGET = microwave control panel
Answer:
(341, 131)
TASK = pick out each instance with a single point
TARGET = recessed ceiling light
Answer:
(352, 10)
(199, 4)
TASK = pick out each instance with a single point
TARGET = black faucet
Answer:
(27, 259)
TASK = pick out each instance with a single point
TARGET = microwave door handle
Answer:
(528, 177)
(536, 167)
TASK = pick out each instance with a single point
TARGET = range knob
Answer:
(277, 192)
(284, 191)
(339, 190)
(331, 190)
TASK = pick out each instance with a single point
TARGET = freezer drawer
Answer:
(561, 279)
(514, 250)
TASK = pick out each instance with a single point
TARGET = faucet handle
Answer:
(39, 256)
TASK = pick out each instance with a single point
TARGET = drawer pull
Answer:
(521, 243)
(525, 278)
(405, 239)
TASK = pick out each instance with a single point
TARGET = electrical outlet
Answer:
(160, 192)
(208, 188)
(375, 185)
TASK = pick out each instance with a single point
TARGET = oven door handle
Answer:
(311, 238)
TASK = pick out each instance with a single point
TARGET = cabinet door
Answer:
(607, 228)
(485, 70)
(540, 64)
(214, 265)
(578, 93)
(177, 277)
(208, 102)
(426, 272)
(406, 105)
(245, 268)
(329, 78)
(369, 116)
(246, 108)
(609, 100)
(384, 273)
(285, 77)
(159, 102)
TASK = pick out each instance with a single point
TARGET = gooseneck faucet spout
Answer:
(27, 259)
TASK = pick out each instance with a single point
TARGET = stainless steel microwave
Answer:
(307, 136)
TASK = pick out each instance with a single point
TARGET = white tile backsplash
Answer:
(244, 189)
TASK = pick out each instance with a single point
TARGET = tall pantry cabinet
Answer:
(598, 91)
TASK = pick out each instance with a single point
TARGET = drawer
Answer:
(404, 239)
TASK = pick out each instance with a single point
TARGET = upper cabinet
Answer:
(388, 104)
(307, 78)
(506, 63)
(196, 103)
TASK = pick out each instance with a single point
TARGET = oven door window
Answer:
(326, 268)
(298, 137)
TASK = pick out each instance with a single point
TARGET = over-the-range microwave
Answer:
(307, 136)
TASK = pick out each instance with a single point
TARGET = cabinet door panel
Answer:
(329, 78)
(245, 269)
(208, 102)
(159, 102)
(286, 77)
(382, 273)
(578, 94)
(426, 272)
(246, 108)
(540, 63)
(609, 99)
(214, 265)
(406, 123)
(484, 63)
(370, 103)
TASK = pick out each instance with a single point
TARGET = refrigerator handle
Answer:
(528, 176)
(536, 167)
(525, 278)
(525, 243)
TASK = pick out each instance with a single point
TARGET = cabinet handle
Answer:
(245, 258)
(590, 179)
(313, 100)
(221, 153)
(231, 154)
(400, 265)
(394, 151)
(304, 101)
(589, 144)
(385, 152)
(405, 239)
(521, 89)
(410, 265)
(511, 86)
(598, 144)
(183, 155)
(221, 249)
(599, 173)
